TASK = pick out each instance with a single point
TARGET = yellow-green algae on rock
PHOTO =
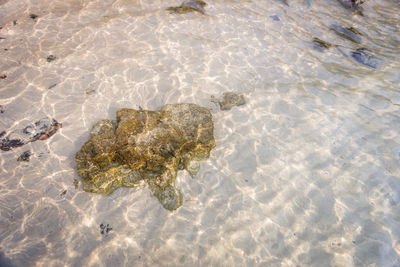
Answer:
(144, 145)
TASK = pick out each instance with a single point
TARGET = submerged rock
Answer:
(349, 33)
(149, 146)
(361, 56)
(33, 16)
(105, 229)
(51, 58)
(365, 57)
(229, 100)
(24, 156)
(354, 5)
(40, 130)
(321, 44)
(189, 6)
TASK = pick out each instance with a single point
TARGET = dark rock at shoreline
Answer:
(146, 146)
(189, 6)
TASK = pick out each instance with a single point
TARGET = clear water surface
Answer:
(305, 174)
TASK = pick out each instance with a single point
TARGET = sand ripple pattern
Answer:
(305, 174)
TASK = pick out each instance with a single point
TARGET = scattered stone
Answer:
(354, 5)
(321, 44)
(229, 100)
(33, 16)
(5, 49)
(351, 3)
(90, 91)
(189, 6)
(2, 38)
(63, 193)
(361, 56)
(52, 86)
(365, 57)
(40, 130)
(105, 229)
(275, 17)
(24, 156)
(51, 58)
(146, 146)
(2, 110)
(14, 22)
(349, 33)
(3, 76)
(43, 129)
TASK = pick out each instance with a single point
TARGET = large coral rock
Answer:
(148, 146)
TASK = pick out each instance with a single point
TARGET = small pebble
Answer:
(104, 229)
(90, 91)
(33, 16)
(275, 17)
(24, 156)
(51, 58)
(3, 76)
(52, 86)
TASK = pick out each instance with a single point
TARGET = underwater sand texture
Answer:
(306, 173)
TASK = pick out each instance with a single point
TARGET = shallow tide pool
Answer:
(306, 173)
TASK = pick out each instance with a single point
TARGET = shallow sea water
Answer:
(305, 174)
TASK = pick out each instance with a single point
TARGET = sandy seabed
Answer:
(305, 174)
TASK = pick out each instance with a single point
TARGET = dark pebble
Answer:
(105, 229)
(33, 16)
(14, 22)
(350, 33)
(63, 193)
(3, 76)
(24, 156)
(52, 86)
(51, 58)
(365, 57)
(275, 17)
